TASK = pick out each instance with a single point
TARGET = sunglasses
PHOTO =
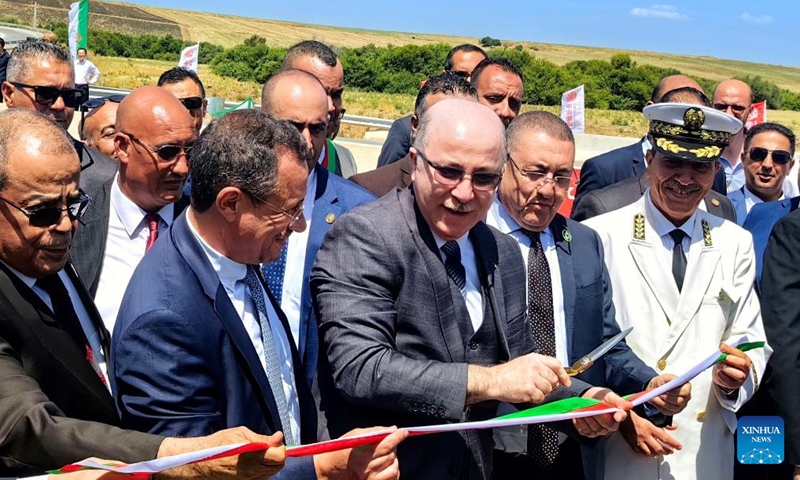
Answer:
(724, 106)
(758, 154)
(166, 153)
(95, 103)
(46, 96)
(39, 216)
(192, 103)
(451, 177)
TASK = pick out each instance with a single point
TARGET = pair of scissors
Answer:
(586, 361)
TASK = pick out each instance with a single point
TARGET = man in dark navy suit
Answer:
(569, 296)
(617, 165)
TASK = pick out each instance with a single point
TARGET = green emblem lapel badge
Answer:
(567, 235)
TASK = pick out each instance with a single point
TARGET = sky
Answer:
(755, 31)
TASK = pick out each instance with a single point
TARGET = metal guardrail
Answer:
(358, 120)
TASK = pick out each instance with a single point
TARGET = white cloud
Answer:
(757, 19)
(666, 12)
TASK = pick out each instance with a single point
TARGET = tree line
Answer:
(616, 84)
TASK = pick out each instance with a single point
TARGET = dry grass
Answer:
(131, 73)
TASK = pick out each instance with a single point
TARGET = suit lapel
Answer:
(406, 167)
(36, 315)
(440, 287)
(91, 309)
(644, 248)
(192, 253)
(487, 256)
(700, 268)
(95, 222)
(567, 270)
(639, 166)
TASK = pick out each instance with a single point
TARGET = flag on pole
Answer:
(758, 115)
(189, 56)
(78, 30)
(246, 105)
(572, 109)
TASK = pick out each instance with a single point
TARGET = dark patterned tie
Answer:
(542, 440)
(453, 266)
(678, 257)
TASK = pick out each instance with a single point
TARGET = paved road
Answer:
(12, 35)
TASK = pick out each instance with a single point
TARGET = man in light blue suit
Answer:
(760, 221)
(298, 97)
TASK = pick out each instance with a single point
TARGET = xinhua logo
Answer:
(759, 440)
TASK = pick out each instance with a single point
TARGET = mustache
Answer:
(683, 189)
(459, 207)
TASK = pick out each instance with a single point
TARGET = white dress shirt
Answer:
(91, 332)
(292, 290)
(663, 227)
(515, 439)
(751, 199)
(231, 275)
(472, 290)
(86, 73)
(126, 241)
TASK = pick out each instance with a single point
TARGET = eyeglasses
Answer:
(340, 115)
(192, 103)
(724, 106)
(46, 96)
(95, 103)
(317, 128)
(294, 217)
(758, 154)
(450, 176)
(46, 216)
(560, 181)
(166, 153)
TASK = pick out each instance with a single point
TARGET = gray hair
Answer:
(26, 53)
(16, 122)
(241, 149)
(538, 121)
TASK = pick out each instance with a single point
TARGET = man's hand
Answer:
(253, 465)
(646, 439)
(732, 372)
(370, 462)
(673, 401)
(600, 425)
(526, 379)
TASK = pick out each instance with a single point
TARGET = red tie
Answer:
(152, 225)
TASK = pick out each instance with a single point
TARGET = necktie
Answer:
(542, 440)
(66, 317)
(273, 274)
(270, 353)
(678, 257)
(453, 266)
(152, 220)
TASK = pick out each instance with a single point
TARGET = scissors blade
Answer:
(608, 344)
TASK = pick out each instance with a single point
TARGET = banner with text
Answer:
(572, 109)
(758, 115)
(189, 56)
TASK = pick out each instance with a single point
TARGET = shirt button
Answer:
(662, 364)
(473, 346)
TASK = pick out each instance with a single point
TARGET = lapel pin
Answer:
(329, 218)
(567, 235)
(715, 202)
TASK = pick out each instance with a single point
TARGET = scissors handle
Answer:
(579, 367)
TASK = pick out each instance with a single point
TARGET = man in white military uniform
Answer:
(684, 279)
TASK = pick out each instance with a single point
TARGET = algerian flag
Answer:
(78, 30)
(246, 105)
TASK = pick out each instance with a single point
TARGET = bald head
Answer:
(461, 120)
(299, 97)
(150, 104)
(733, 97)
(672, 82)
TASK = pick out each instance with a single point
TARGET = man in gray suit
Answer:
(422, 306)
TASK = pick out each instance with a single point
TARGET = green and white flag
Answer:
(78, 30)
(246, 105)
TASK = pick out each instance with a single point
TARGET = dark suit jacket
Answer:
(201, 373)
(760, 221)
(395, 352)
(54, 410)
(397, 143)
(385, 179)
(617, 165)
(89, 245)
(780, 311)
(630, 190)
(334, 196)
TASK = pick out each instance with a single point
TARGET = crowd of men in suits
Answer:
(167, 287)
